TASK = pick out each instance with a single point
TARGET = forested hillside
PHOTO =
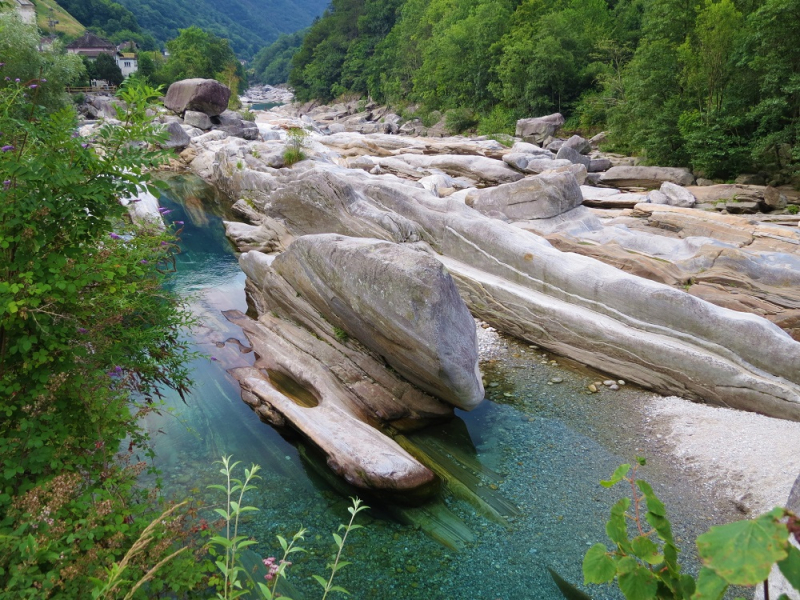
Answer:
(249, 24)
(714, 85)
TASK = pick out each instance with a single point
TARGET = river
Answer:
(536, 446)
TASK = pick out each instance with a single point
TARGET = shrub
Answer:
(296, 139)
(646, 566)
(88, 338)
(459, 120)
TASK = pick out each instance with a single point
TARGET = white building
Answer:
(26, 11)
(127, 63)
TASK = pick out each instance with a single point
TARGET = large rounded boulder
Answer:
(398, 301)
(202, 95)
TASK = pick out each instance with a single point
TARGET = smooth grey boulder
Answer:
(774, 199)
(646, 177)
(253, 237)
(540, 197)
(554, 145)
(178, 138)
(526, 148)
(204, 95)
(480, 169)
(536, 130)
(197, 119)
(399, 302)
(538, 165)
(574, 156)
(672, 195)
(578, 144)
(597, 165)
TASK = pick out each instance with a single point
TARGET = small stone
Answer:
(608, 382)
(613, 387)
(592, 388)
(557, 380)
(508, 394)
(621, 382)
(494, 384)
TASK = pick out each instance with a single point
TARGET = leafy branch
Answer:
(646, 566)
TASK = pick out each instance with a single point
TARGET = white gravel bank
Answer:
(751, 459)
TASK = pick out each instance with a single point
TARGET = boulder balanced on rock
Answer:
(204, 95)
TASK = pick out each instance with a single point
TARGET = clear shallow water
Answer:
(264, 105)
(544, 448)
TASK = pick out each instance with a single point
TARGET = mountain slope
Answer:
(248, 24)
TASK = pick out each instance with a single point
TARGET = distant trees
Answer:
(272, 63)
(713, 85)
(194, 53)
(106, 68)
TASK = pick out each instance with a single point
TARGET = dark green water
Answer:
(264, 105)
(548, 444)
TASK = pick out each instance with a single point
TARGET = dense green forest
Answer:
(272, 63)
(110, 19)
(714, 85)
(248, 24)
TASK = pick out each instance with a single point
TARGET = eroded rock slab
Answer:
(398, 302)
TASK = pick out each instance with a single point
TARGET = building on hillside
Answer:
(46, 42)
(127, 63)
(91, 46)
(26, 11)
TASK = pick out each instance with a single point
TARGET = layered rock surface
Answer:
(607, 288)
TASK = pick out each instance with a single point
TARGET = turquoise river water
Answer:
(539, 446)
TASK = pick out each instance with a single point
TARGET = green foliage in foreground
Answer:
(88, 339)
(643, 559)
(713, 85)
(51, 69)
(231, 580)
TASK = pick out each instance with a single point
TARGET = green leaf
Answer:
(340, 565)
(321, 581)
(617, 526)
(647, 550)
(338, 539)
(638, 583)
(338, 588)
(617, 476)
(282, 542)
(790, 567)
(598, 566)
(743, 552)
(710, 586)
(654, 505)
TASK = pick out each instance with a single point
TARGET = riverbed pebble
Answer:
(557, 380)
(621, 382)
(592, 388)
(608, 382)
(613, 387)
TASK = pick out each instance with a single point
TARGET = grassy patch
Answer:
(67, 24)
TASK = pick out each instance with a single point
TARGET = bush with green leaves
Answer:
(22, 62)
(89, 339)
(643, 559)
(295, 142)
(231, 581)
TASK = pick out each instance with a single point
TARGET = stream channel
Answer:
(534, 452)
